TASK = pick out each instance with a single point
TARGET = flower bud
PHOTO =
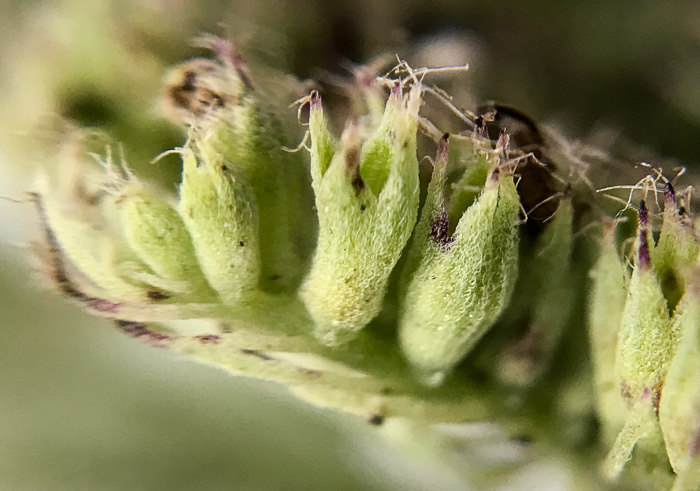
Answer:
(646, 343)
(367, 202)
(605, 306)
(157, 234)
(98, 253)
(462, 282)
(646, 340)
(79, 214)
(219, 210)
(433, 223)
(232, 123)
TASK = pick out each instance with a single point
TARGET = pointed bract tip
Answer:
(643, 214)
(609, 227)
(227, 53)
(315, 100)
(669, 195)
(644, 258)
(396, 90)
(609, 222)
(442, 151)
(494, 175)
(503, 142)
(222, 48)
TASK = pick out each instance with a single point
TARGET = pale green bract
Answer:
(367, 202)
(462, 282)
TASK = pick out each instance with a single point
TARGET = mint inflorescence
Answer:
(333, 274)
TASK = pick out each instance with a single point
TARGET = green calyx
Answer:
(367, 200)
(606, 303)
(462, 282)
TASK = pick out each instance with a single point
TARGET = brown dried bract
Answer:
(194, 90)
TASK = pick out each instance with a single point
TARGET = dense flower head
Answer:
(343, 276)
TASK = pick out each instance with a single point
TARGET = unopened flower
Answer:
(605, 305)
(367, 202)
(464, 280)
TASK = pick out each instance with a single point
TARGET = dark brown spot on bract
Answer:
(439, 231)
(352, 164)
(358, 183)
(352, 159)
(208, 338)
(310, 372)
(257, 354)
(376, 419)
(191, 90)
(157, 295)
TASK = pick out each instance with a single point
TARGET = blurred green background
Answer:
(83, 407)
